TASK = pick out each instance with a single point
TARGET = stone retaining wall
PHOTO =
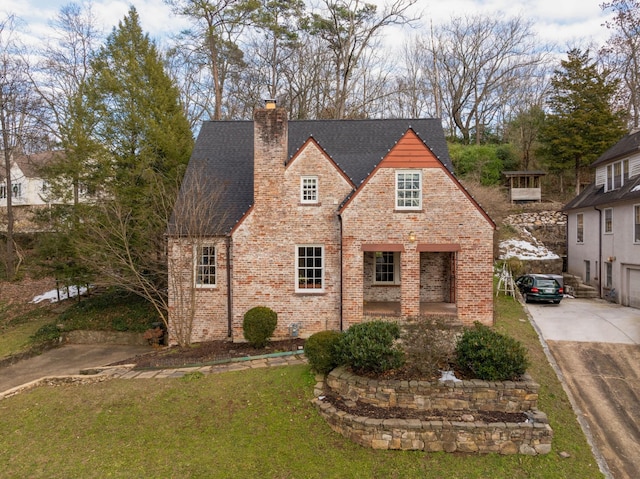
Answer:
(469, 395)
(532, 437)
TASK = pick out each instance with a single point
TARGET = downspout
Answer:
(599, 251)
(341, 272)
(229, 296)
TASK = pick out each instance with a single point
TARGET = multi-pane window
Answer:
(16, 188)
(617, 174)
(608, 220)
(409, 190)
(580, 228)
(3, 191)
(608, 275)
(636, 224)
(310, 267)
(206, 266)
(385, 267)
(309, 189)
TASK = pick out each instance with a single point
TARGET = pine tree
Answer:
(146, 143)
(581, 123)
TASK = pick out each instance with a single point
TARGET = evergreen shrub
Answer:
(486, 354)
(258, 325)
(371, 347)
(320, 350)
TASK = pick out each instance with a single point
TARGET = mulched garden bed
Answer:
(208, 352)
(359, 408)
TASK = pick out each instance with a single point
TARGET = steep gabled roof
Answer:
(628, 145)
(31, 165)
(223, 153)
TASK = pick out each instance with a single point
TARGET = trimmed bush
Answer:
(486, 354)
(320, 350)
(371, 347)
(258, 325)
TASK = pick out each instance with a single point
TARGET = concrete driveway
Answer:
(596, 348)
(64, 361)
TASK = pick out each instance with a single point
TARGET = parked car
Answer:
(540, 287)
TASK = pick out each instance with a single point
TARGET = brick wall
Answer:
(207, 321)
(448, 217)
(264, 244)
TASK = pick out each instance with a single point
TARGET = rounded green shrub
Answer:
(320, 350)
(486, 354)
(371, 347)
(258, 325)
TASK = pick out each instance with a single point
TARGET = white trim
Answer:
(298, 268)
(315, 187)
(635, 222)
(578, 239)
(604, 219)
(197, 255)
(420, 190)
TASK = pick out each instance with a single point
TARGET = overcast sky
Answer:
(561, 22)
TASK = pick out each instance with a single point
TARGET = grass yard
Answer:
(248, 424)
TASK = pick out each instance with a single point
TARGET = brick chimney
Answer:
(270, 140)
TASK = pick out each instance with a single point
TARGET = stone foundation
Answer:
(532, 437)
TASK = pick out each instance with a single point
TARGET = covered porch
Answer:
(430, 272)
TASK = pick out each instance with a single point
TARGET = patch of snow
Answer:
(636, 188)
(65, 293)
(525, 250)
(449, 376)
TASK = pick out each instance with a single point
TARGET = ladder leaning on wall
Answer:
(506, 284)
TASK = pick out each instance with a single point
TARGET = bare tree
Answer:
(623, 51)
(217, 24)
(479, 62)
(19, 110)
(196, 218)
(349, 28)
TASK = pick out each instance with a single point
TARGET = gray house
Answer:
(603, 225)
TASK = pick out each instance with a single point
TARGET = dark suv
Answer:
(539, 287)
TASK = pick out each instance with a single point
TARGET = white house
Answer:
(27, 186)
(603, 225)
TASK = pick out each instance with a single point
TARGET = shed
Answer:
(524, 186)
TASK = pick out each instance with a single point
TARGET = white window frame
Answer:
(302, 269)
(199, 265)
(401, 192)
(309, 192)
(3, 191)
(395, 258)
(17, 190)
(608, 275)
(580, 228)
(608, 221)
(617, 175)
(636, 224)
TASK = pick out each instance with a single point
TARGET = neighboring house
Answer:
(328, 222)
(27, 186)
(29, 191)
(603, 225)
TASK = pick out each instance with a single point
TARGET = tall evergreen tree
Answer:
(146, 142)
(581, 123)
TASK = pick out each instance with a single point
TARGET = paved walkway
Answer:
(100, 373)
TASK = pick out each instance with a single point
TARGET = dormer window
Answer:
(617, 175)
(309, 189)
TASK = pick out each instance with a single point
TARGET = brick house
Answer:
(328, 223)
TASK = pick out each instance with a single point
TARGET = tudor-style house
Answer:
(329, 223)
(603, 225)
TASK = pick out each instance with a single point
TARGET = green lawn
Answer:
(248, 424)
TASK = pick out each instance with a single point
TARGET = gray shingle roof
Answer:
(223, 153)
(594, 195)
(630, 143)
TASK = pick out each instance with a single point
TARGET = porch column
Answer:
(410, 282)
